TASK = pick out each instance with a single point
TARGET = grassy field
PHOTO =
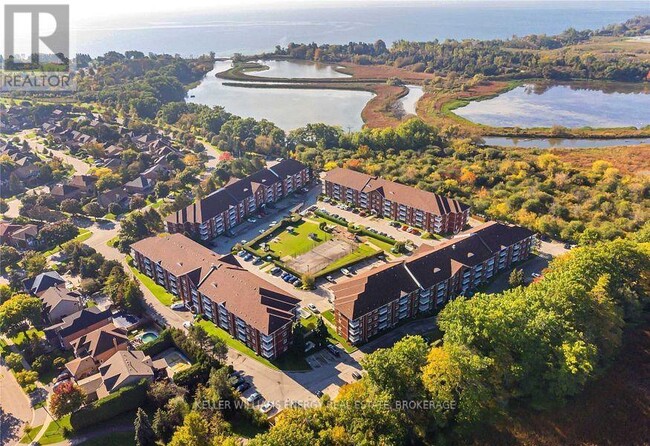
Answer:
(286, 362)
(329, 315)
(363, 251)
(22, 336)
(158, 291)
(30, 433)
(84, 234)
(292, 244)
(112, 439)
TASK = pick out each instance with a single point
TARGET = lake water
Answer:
(569, 106)
(229, 29)
(540, 143)
(287, 108)
(297, 69)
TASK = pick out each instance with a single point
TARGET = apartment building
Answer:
(388, 199)
(251, 309)
(239, 199)
(380, 298)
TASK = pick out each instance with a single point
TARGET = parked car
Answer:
(333, 350)
(346, 272)
(243, 242)
(187, 324)
(297, 283)
(283, 275)
(330, 279)
(243, 387)
(275, 270)
(242, 253)
(237, 381)
(251, 220)
(178, 306)
(267, 407)
(63, 376)
(356, 375)
(257, 260)
(253, 397)
(313, 308)
(536, 275)
(319, 393)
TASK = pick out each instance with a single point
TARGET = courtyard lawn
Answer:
(386, 247)
(332, 336)
(329, 315)
(158, 291)
(296, 243)
(30, 433)
(287, 361)
(362, 252)
(84, 234)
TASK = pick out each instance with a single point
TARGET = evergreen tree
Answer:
(144, 434)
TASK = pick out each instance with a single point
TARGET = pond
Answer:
(297, 69)
(571, 105)
(559, 143)
(288, 108)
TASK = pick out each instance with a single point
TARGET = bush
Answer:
(124, 400)
(115, 209)
(59, 363)
(42, 364)
(339, 221)
(14, 361)
(26, 377)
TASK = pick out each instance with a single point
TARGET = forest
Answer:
(534, 56)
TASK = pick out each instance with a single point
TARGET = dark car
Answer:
(236, 382)
(243, 387)
(333, 350)
(356, 375)
(275, 271)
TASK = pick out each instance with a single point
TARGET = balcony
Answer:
(354, 339)
(354, 324)
(383, 310)
(354, 331)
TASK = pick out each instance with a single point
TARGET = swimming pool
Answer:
(148, 337)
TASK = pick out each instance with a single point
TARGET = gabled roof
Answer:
(80, 366)
(82, 180)
(7, 228)
(99, 341)
(25, 232)
(140, 182)
(53, 296)
(63, 190)
(81, 320)
(42, 282)
(123, 365)
(287, 167)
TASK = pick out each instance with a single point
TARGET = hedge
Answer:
(339, 221)
(383, 238)
(124, 400)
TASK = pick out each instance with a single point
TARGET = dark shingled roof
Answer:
(43, 281)
(82, 319)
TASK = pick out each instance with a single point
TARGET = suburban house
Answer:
(240, 198)
(378, 299)
(86, 183)
(66, 191)
(117, 195)
(59, 302)
(141, 185)
(76, 325)
(123, 369)
(19, 236)
(39, 284)
(249, 308)
(415, 207)
(100, 344)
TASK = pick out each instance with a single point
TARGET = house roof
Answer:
(25, 232)
(123, 365)
(287, 167)
(81, 320)
(222, 279)
(53, 296)
(43, 281)
(140, 182)
(82, 180)
(396, 192)
(428, 266)
(112, 196)
(79, 366)
(7, 228)
(100, 340)
(64, 190)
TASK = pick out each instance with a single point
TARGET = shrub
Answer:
(42, 364)
(14, 361)
(59, 363)
(26, 377)
(124, 400)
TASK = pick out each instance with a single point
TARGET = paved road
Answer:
(79, 166)
(15, 409)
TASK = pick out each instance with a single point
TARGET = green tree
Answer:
(516, 277)
(17, 311)
(321, 331)
(34, 263)
(9, 257)
(144, 434)
(195, 431)
(71, 206)
(65, 399)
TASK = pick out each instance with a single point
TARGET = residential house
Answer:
(66, 191)
(19, 236)
(415, 207)
(251, 309)
(380, 298)
(100, 344)
(229, 206)
(41, 283)
(123, 369)
(117, 195)
(86, 183)
(76, 325)
(59, 302)
(141, 185)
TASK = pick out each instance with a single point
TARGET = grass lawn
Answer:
(160, 292)
(358, 254)
(329, 315)
(298, 242)
(84, 234)
(309, 323)
(30, 433)
(244, 428)
(54, 432)
(112, 439)
(21, 337)
(287, 361)
(386, 247)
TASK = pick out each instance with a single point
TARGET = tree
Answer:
(195, 431)
(93, 209)
(516, 278)
(4, 207)
(307, 281)
(34, 263)
(137, 202)
(18, 310)
(199, 335)
(71, 206)
(298, 337)
(144, 434)
(115, 208)
(321, 331)
(9, 257)
(14, 361)
(67, 398)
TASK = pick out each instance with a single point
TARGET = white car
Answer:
(251, 220)
(313, 308)
(187, 324)
(253, 397)
(267, 407)
(346, 272)
(177, 306)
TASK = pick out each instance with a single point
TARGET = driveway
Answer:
(15, 409)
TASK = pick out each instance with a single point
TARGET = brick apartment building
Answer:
(388, 199)
(251, 309)
(240, 198)
(381, 297)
